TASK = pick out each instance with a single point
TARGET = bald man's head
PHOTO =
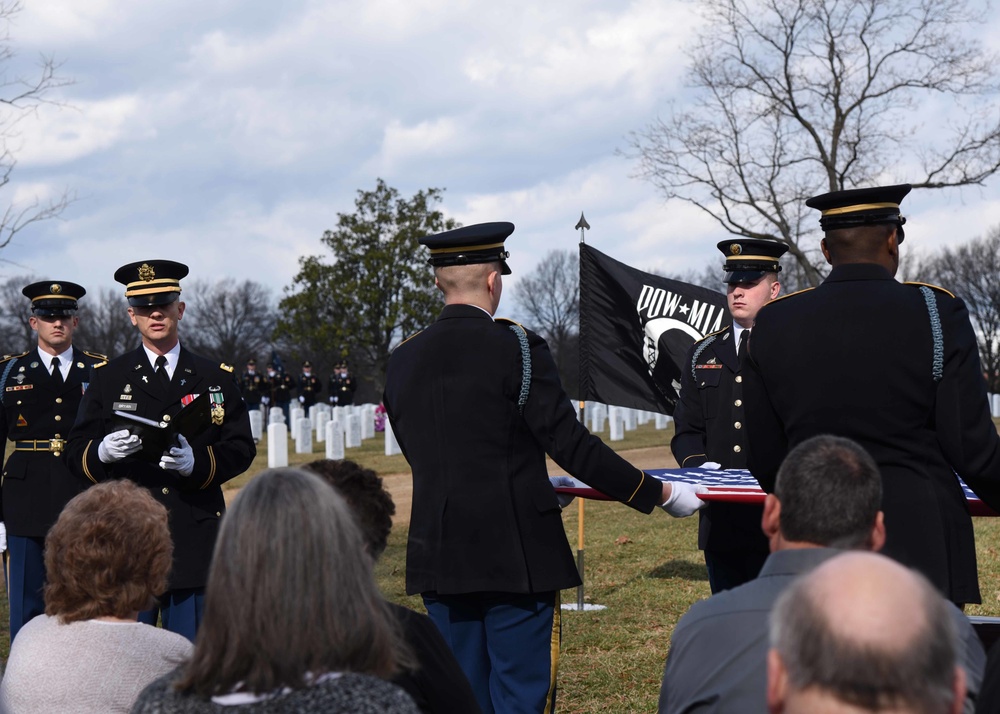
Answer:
(863, 633)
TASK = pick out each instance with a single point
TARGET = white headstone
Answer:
(334, 440)
(311, 413)
(303, 436)
(995, 405)
(352, 432)
(296, 413)
(256, 425)
(661, 421)
(276, 416)
(598, 417)
(391, 445)
(617, 422)
(277, 445)
(643, 417)
(629, 416)
(322, 417)
(367, 421)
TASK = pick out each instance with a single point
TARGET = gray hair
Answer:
(917, 671)
(830, 491)
(290, 592)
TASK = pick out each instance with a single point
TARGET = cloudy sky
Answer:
(228, 133)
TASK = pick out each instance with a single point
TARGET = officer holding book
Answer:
(150, 388)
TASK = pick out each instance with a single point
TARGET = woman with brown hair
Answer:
(293, 619)
(106, 557)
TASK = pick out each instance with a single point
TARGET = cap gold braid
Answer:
(857, 207)
(436, 251)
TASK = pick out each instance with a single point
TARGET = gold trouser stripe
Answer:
(641, 480)
(554, 646)
(86, 471)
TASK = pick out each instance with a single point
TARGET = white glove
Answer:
(302, 399)
(179, 458)
(265, 400)
(684, 499)
(3, 537)
(117, 445)
(564, 498)
(711, 466)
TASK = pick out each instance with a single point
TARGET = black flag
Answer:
(636, 330)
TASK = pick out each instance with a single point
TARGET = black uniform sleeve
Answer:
(554, 423)
(87, 433)
(767, 441)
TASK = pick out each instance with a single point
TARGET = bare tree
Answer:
(793, 98)
(20, 97)
(230, 322)
(16, 334)
(550, 298)
(104, 323)
(971, 271)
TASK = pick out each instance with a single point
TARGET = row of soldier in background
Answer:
(274, 387)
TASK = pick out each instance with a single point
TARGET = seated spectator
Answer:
(106, 556)
(437, 684)
(826, 500)
(293, 619)
(862, 633)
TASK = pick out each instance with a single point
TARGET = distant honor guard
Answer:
(155, 382)
(309, 386)
(254, 385)
(342, 386)
(40, 391)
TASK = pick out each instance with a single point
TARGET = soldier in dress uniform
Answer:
(710, 417)
(342, 386)
(281, 385)
(155, 382)
(254, 385)
(893, 366)
(40, 392)
(475, 404)
(309, 386)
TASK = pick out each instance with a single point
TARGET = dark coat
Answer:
(484, 515)
(37, 484)
(342, 390)
(855, 357)
(254, 386)
(709, 425)
(221, 452)
(309, 387)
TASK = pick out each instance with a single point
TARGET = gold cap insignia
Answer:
(55, 288)
(735, 248)
(146, 272)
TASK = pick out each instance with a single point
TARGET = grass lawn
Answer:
(646, 570)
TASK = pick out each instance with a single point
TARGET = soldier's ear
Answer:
(826, 251)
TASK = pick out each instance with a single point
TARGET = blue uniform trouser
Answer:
(25, 579)
(179, 610)
(507, 645)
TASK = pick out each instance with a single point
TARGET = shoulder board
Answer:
(918, 284)
(10, 357)
(785, 297)
(408, 338)
(713, 334)
(226, 367)
(96, 355)
(507, 321)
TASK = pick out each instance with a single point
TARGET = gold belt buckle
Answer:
(57, 445)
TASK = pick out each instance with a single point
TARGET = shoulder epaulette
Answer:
(507, 321)
(918, 284)
(408, 339)
(785, 297)
(226, 367)
(96, 355)
(714, 334)
(10, 357)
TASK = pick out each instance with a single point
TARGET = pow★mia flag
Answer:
(636, 330)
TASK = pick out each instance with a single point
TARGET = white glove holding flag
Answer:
(684, 500)
(179, 458)
(3, 537)
(117, 445)
(564, 498)
(711, 466)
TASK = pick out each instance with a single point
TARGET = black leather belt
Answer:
(56, 446)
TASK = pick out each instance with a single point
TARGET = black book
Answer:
(158, 436)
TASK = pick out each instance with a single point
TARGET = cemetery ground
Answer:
(646, 571)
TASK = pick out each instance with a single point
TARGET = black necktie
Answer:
(741, 353)
(161, 371)
(57, 378)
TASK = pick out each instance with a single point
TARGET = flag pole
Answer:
(581, 226)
